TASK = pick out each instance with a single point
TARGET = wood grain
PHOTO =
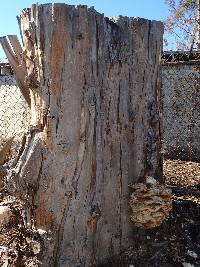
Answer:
(95, 96)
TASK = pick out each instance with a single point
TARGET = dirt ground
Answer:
(182, 173)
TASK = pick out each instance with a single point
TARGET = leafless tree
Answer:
(182, 23)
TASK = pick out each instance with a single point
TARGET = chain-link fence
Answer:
(181, 110)
(180, 98)
(14, 112)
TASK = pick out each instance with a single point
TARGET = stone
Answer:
(192, 254)
(186, 264)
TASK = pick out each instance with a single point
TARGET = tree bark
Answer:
(95, 105)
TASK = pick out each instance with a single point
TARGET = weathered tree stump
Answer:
(95, 101)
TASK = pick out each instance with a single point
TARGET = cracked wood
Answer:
(95, 102)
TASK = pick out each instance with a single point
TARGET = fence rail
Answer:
(180, 56)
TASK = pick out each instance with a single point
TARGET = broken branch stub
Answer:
(15, 58)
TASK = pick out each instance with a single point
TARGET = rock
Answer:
(41, 232)
(151, 180)
(192, 254)
(186, 264)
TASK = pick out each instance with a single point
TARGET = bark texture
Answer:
(95, 93)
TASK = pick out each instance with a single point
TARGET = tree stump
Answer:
(94, 85)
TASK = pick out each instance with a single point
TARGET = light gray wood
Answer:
(16, 47)
(15, 58)
(95, 103)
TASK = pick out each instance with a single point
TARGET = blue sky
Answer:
(150, 9)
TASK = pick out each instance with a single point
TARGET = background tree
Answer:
(182, 23)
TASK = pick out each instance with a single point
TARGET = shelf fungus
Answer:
(151, 204)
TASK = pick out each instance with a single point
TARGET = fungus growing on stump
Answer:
(151, 204)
